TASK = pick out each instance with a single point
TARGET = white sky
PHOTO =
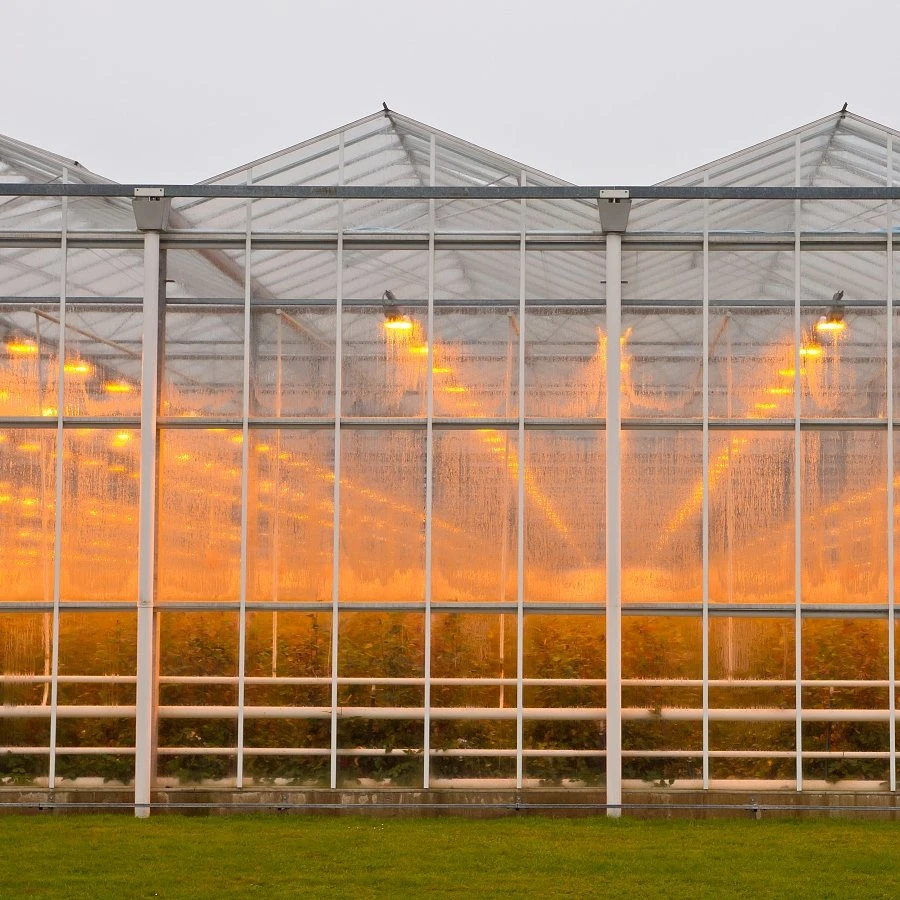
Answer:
(595, 92)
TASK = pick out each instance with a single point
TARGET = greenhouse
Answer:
(388, 462)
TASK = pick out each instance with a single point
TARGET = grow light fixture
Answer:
(811, 346)
(21, 347)
(117, 387)
(833, 321)
(394, 320)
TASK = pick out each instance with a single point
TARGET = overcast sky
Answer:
(595, 92)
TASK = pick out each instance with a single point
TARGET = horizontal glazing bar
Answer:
(457, 192)
(727, 610)
(536, 240)
(462, 752)
(453, 714)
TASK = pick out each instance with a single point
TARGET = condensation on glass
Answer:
(381, 476)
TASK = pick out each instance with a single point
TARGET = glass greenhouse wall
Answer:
(316, 491)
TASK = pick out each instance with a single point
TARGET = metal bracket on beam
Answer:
(614, 205)
(151, 208)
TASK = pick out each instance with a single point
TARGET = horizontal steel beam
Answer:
(457, 192)
(531, 607)
(460, 713)
(579, 241)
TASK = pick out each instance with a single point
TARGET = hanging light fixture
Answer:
(833, 321)
(394, 320)
(811, 347)
(21, 346)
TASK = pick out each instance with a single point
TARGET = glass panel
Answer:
(742, 653)
(29, 359)
(565, 647)
(292, 361)
(382, 515)
(476, 372)
(27, 513)
(751, 335)
(844, 529)
(662, 493)
(474, 515)
(282, 646)
(24, 681)
(568, 654)
(660, 651)
(381, 646)
(385, 361)
(751, 511)
(467, 646)
(101, 491)
(458, 752)
(198, 546)
(290, 527)
(198, 667)
(293, 332)
(565, 363)
(92, 645)
(662, 334)
(203, 364)
(103, 360)
(843, 324)
(850, 649)
(565, 516)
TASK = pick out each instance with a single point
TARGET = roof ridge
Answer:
(49, 157)
(834, 117)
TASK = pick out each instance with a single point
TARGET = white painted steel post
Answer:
(892, 649)
(144, 737)
(705, 498)
(798, 486)
(336, 507)
(58, 508)
(429, 480)
(520, 511)
(613, 525)
(245, 493)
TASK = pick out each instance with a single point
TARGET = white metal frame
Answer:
(146, 682)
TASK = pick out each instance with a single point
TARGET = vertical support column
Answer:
(429, 481)
(245, 491)
(705, 499)
(798, 477)
(336, 534)
(614, 207)
(613, 524)
(57, 536)
(520, 518)
(892, 649)
(146, 643)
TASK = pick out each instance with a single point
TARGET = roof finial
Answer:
(387, 110)
(844, 110)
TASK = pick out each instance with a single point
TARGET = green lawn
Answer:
(291, 856)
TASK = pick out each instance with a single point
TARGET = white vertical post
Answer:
(336, 524)
(798, 478)
(892, 649)
(245, 485)
(146, 668)
(429, 479)
(520, 520)
(57, 537)
(613, 525)
(705, 504)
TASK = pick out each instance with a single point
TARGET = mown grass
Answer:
(100, 857)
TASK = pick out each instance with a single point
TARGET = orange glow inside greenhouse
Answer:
(378, 492)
